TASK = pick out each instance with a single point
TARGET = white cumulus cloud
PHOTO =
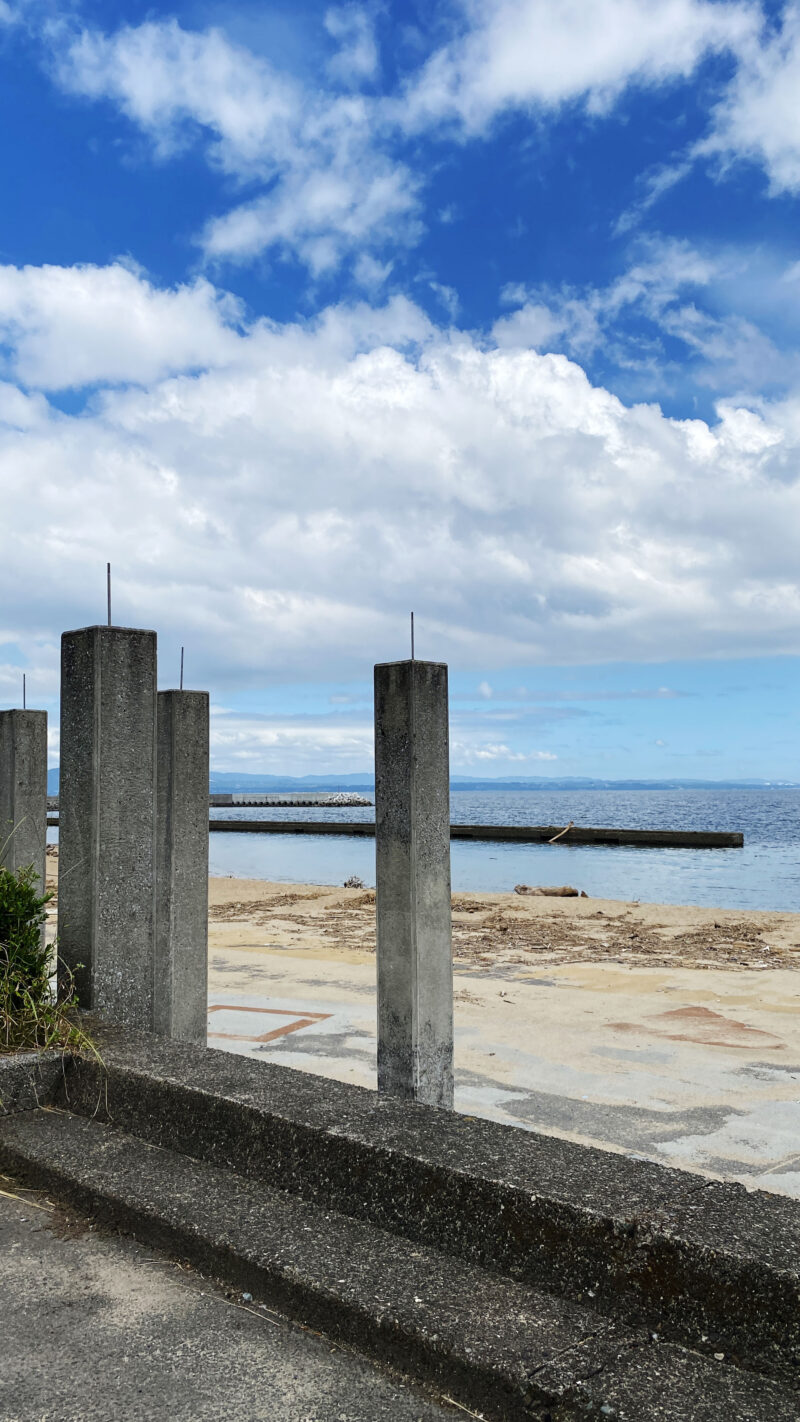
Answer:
(72, 326)
(279, 512)
(720, 304)
(328, 187)
(537, 54)
(759, 116)
(357, 58)
(324, 159)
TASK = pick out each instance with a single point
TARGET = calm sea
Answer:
(763, 875)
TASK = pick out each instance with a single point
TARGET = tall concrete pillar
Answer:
(412, 814)
(107, 819)
(181, 989)
(23, 791)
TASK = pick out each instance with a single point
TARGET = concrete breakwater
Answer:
(513, 834)
(516, 834)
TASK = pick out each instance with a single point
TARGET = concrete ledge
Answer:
(98, 1328)
(28, 1080)
(511, 1351)
(448, 1323)
(712, 1266)
(670, 1384)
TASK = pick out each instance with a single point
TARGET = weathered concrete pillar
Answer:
(23, 791)
(412, 814)
(107, 819)
(181, 991)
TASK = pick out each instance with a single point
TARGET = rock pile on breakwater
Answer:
(270, 800)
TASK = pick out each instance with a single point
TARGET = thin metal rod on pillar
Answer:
(181, 668)
(108, 590)
(24, 694)
(412, 636)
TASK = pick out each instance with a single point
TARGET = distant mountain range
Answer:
(222, 782)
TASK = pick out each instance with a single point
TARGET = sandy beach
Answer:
(661, 1031)
(511, 929)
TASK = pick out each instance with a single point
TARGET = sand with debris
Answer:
(505, 929)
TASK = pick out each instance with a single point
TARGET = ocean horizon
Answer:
(765, 874)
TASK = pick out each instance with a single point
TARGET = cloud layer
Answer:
(284, 506)
(677, 318)
(278, 494)
(65, 327)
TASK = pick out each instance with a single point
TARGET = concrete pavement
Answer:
(694, 1068)
(97, 1326)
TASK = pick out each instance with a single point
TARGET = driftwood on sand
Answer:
(557, 891)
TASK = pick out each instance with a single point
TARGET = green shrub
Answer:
(34, 1010)
(22, 916)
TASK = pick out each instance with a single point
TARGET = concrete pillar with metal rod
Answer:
(181, 975)
(23, 791)
(412, 832)
(107, 820)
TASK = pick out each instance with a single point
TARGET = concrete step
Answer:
(708, 1265)
(499, 1347)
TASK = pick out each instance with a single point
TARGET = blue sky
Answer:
(311, 314)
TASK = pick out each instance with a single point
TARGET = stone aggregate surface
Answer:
(712, 1259)
(468, 1330)
(27, 1080)
(514, 1352)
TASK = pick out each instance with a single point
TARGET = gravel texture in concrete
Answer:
(480, 1336)
(27, 1080)
(669, 1384)
(503, 1350)
(713, 1264)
